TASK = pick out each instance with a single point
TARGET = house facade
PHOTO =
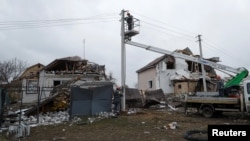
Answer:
(26, 84)
(58, 72)
(172, 75)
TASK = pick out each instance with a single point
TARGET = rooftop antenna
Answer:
(83, 48)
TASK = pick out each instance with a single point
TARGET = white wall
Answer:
(27, 98)
(144, 77)
(165, 76)
(46, 83)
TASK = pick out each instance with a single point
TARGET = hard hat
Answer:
(218, 77)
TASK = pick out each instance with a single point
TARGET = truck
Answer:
(234, 95)
(213, 104)
(209, 104)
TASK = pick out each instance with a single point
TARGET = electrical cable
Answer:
(168, 25)
(210, 45)
(165, 28)
(169, 33)
(9, 25)
(51, 25)
(179, 33)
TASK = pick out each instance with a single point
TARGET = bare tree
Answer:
(11, 69)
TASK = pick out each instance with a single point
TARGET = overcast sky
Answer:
(40, 31)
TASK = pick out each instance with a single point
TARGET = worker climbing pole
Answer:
(129, 27)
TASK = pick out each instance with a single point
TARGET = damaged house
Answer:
(26, 84)
(174, 75)
(58, 72)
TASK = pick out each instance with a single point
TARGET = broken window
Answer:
(31, 86)
(150, 84)
(193, 66)
(170, 65)
(31, 73)
(57, 82)
(179, 86)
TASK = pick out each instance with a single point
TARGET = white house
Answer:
(170, 74)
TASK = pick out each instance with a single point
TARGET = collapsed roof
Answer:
(74, 65)
(67, 63)
(191, 67)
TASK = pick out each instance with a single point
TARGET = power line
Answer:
(172, 30)
(165, 28)
(161, 27)
(51, 25)
(222, 51)
(9, 25)
(169, 32)
(169, 26)
(212, 47)
(57, 20)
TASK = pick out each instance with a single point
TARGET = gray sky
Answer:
(40, 31)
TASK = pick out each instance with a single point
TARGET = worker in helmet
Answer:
(130, 21)
(117, 100)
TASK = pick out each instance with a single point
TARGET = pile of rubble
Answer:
(22, 127)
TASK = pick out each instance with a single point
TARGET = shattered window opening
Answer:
(56, 82)
(31, 73)
(150, 84)
(170, 65)
(179, 86)
(31, 86)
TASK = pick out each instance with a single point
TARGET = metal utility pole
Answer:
(202, 65)
(123, 62)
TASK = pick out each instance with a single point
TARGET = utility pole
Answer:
(123, 62)
(202, 65)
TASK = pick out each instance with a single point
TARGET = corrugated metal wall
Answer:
(3, 101)
(90, 101)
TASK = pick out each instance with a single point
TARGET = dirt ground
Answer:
(144, 125)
